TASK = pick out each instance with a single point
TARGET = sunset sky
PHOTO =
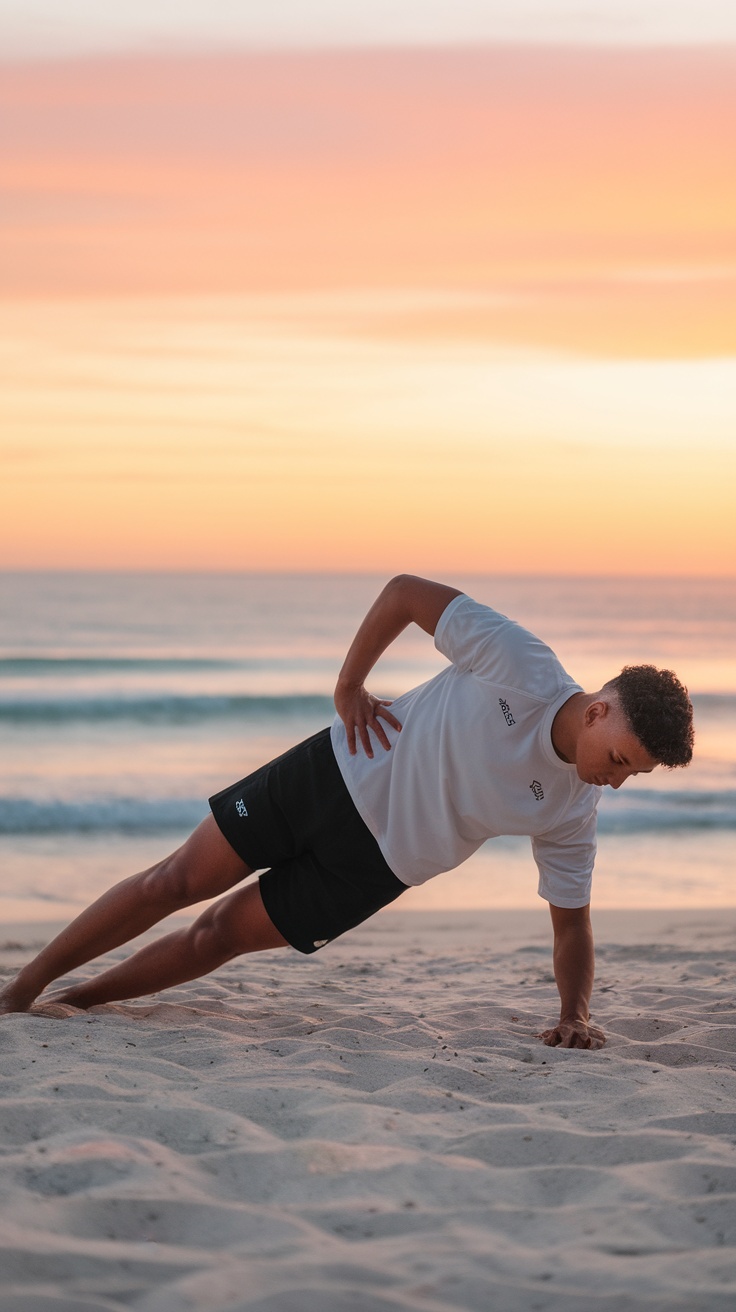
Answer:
(400, 295)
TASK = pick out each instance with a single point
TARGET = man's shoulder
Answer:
(489, 644)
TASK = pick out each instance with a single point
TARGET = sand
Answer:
(377, 1128)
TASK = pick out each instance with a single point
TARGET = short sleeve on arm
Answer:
(476, 637)
(565, 860)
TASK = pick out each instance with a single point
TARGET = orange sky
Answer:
(466, 169)
(461, 208)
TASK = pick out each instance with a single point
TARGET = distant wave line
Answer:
(27, 666)
(187, 707)
(171, 708)
(665, 811)
(670, 813)
(60, 665)
(126, 815)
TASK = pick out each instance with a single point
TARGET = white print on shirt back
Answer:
(241, 808)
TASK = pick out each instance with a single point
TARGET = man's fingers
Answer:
(550, 1037)
(365, 739)
(563, 1036)
(378, 728)
(575, 1040)
(570, 1038)
(388, 717)
(364, 717)
(567, 1040)
(381, 736)
(379, 708)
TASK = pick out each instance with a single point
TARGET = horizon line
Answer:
(229, 49)
(210, 572)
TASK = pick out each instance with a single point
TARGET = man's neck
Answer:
(567, 724)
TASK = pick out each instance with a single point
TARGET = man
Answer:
(501, 741)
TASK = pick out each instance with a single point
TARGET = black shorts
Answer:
(296, 816)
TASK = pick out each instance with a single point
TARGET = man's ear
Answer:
(597, 710)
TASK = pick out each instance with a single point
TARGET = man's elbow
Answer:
(420, 601)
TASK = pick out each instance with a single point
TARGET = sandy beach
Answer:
(377, 1128)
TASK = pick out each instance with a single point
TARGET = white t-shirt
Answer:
(475, 760)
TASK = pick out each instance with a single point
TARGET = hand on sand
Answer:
(573, 1034)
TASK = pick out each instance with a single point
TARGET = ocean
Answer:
(127, 699)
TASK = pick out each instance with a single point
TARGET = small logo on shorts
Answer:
(538, 790)
(320, 942)
(241, 808)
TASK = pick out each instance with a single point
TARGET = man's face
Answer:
(607, 750)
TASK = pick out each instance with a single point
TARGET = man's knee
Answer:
(214, 936)
(241, 923)
(203, 867)
(167, 883)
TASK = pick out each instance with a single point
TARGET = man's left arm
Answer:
(574, 967)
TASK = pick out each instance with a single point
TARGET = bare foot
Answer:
(56, 1004)
(11, 1001)
(57, 1010)
(67, 997)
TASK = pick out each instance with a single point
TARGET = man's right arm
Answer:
(574, 967)
(406, 599)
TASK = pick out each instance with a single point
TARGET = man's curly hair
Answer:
(658, 710)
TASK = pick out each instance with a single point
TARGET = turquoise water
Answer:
(125, 700)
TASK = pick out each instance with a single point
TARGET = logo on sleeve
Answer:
(241, 808)
(508, 717)
(538, 790)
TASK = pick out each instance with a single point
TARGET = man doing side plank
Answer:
(502, 741)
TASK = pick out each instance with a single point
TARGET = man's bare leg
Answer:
(235, 925)
(203, 867)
